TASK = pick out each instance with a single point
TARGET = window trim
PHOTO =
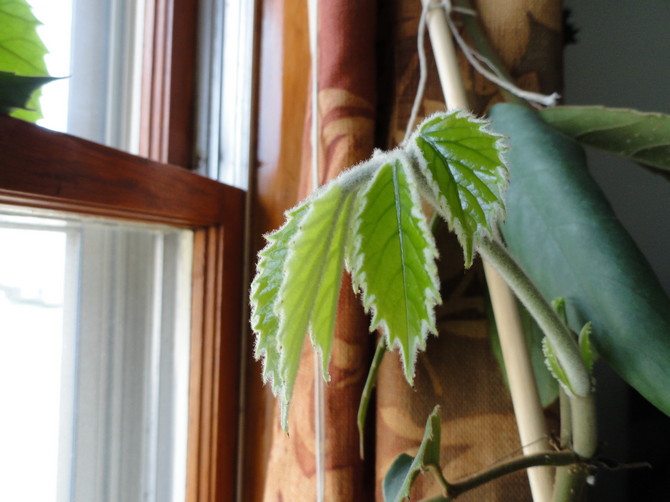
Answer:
(55, 171)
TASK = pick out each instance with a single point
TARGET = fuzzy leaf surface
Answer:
(21, 49)
(640, 136)
(265, 294)
(404, 470)
(463, 172)
(393, 261)
(563, 232)
(311, 284)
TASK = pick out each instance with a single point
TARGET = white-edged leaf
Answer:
(463, 172)
(265, 293)
(311, 284)
(555, 368)
(586, 347)
(393, 261)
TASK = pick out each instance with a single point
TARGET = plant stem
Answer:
(566, 348)
(554, 458)
(367, 391)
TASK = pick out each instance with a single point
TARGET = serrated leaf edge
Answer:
(429, 188)
(359, 279)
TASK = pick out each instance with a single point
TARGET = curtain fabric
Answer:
(368, 75)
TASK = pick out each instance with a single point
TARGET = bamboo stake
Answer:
(525, 397)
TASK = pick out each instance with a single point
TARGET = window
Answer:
(53, 171)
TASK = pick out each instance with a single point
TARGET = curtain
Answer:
(368, 75)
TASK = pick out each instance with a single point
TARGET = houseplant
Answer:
(568, 299)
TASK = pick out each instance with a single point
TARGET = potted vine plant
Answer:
(369, 222)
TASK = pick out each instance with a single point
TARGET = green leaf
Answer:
(555, 367)
(404, 470)
(463, 173)
(21, 50)
(640, 136)
(393, 261)
(15, 90)
(585, 346)
(297, 287)
(265, 294)
(310, 289)
(563, 232)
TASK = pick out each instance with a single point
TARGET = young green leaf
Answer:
(394, 261)
(463, 173)
(555, 368)
(405, 468)
(585, 346)
(640, 136)
(21, 49)
(307, 298)
(265, 293)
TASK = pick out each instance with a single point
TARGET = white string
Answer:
(319, 390)
(421, 87)
(473, 57)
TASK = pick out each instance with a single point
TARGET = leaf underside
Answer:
(311, 285)
(464, 174)
(265, 293)
(393, 262)
(404, 470)
(640, 136)
(21, 49)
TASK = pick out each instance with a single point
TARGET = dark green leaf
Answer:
(563, 232)
(640, 136)
(16, 90)
(405, 468)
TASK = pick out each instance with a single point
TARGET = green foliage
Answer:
(583, 254)
(640, 136)
(265, 296)
(405, 468)
(464, 174)
(370, 220)
(21, 51)
(393, 262)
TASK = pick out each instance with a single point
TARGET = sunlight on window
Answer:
(55, 31)
(32, 264)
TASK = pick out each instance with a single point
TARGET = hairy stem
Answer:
(566, 348)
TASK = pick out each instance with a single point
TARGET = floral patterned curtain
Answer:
(368, 75)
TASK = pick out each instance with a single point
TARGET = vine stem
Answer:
(546, 317)
(525, 397)
(452, 490)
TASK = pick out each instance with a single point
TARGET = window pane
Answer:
(94, 338)
(97, 46)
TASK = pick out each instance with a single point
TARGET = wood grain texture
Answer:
(55, 171)
(214, 380)
(283, 78)
(168, 81)
(42, 168)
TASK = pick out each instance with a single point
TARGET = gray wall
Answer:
(622, 59)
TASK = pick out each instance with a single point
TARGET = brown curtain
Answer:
(368, 75)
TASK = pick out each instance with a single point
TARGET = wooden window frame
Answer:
(54, 171)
